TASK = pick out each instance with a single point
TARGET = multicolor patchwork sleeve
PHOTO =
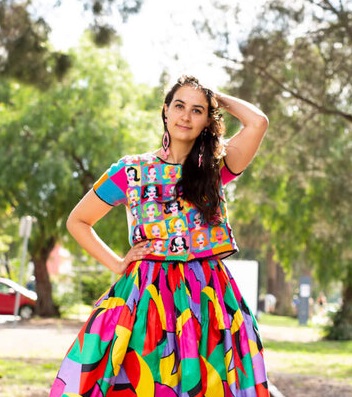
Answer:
(226, 174)
(112, 185)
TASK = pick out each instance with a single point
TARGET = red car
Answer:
(8, 291)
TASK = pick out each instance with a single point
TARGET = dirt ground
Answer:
(291, 385)
(36, 340)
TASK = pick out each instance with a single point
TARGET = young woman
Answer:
(175, 323)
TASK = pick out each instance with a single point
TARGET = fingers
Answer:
(138, 252)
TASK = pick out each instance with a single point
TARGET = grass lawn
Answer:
(327, 359)
(31, 377)
(20, 378)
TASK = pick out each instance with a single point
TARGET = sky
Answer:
(152, 37)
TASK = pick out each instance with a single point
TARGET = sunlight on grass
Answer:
(34, 372)
(327, 359)
(280, 321)
(332, 366)
(77, 311)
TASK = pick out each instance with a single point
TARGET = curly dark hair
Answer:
(200, 185)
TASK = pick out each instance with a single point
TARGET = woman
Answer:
(174, 324)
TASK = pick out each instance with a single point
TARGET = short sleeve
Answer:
(112, 185)
(226, 174)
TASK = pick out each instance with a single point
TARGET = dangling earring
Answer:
(202, 147)
(165, 151)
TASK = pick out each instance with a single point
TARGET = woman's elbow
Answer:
(262, 122)
(70, 223)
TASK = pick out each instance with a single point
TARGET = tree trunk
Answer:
(341, 329)
(45, 304)
(277, 286)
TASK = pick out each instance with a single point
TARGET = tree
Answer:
(26, 54)
(296, 64)
(55, 144)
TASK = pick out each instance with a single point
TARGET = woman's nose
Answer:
(186, 115)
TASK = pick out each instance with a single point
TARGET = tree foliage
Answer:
(25, 52)
(296, 64)
(56, 143)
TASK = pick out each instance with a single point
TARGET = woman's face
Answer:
(219, 235)
(174, 208)
(200, 240)
(151, 211)
(158, 245)
(131, 175)
(178, 226)
(137, 234)
(197, 219)
(187, 114)
(179, 244)
(151, 192)
(156, 231)
(133, 196)
(152, 175)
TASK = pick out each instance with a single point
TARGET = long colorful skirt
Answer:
(167, 330)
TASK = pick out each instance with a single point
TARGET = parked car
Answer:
(27, 301)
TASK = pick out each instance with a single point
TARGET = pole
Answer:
(25, 231)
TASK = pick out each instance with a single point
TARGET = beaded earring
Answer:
(165, 151)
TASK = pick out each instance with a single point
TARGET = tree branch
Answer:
(297, 95)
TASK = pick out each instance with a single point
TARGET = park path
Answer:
(50, 338)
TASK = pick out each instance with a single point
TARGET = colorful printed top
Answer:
(145, 184)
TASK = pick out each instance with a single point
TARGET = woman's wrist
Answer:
(120, 266)
(221, 99)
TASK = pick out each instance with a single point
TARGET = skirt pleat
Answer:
(167, 330)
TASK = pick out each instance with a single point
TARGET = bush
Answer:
(93, 285)
(341, 325)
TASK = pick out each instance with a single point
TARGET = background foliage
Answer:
(291, 208)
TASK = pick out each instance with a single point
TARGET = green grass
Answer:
(280, 321)
(77, 310)
(327, 359)
(18, 375)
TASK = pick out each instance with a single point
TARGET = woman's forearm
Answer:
(88, 239)
(243, 145)
(246, 112)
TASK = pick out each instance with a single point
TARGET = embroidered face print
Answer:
(197, 220)
(179, 245)
(135, 213)
(174, 208)
(151, 176)
(156, 232)
(200, 240)
(151, 192)
(172, 173)
(132, 176)
(137, 234)
(217, 235)
(151, 211)
(133, 196)
(179, 227)
(170, 191)
(158, 246)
